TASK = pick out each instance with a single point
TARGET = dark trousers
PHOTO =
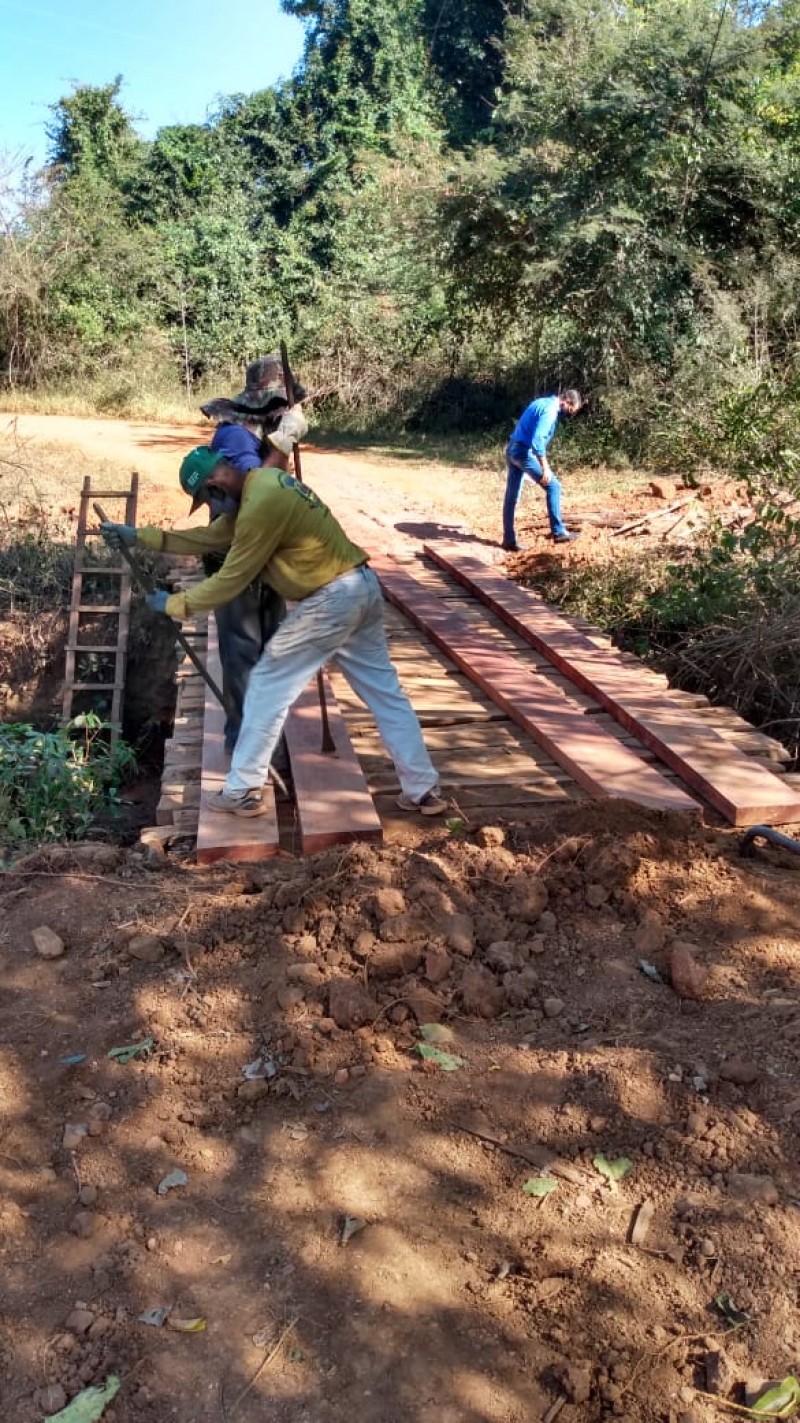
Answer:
(244, 627)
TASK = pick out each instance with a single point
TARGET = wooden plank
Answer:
(220, 836)
(593, 757)
(744, 792)
(334, 806)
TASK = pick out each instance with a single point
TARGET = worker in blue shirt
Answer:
(526, 454)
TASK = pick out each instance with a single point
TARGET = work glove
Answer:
(292, 428)
(118, 536)
(157, 602)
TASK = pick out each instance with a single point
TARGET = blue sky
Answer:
(175, 56)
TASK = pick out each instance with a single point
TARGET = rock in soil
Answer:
(481, 994)
(146, 948)
(689, 978)
(460, 930)
(47, 943)
(650, 934)
(349, 1004)
(575, 1381)
(394, 960)
(756, 1190)
(438, 964)
(51, 1399)
(528, 897)
(740, 1071)
(79, 1321)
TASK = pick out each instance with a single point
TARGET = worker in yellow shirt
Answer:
(283, 532)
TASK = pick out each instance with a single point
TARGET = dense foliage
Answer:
(443, 201)
(53, 784)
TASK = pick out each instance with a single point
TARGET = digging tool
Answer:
(328, 744)
(147, 584)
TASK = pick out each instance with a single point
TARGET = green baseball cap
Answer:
(196, 470)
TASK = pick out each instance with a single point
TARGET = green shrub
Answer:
(53, 784)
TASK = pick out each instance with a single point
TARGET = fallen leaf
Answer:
(126, 1054)
(612, 1170)
(780, 1401)
(187, 1326)
(539, 1186)
(89, 1405)
(728, 1309)
(446, 1060)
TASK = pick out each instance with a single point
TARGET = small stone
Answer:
(537, 945)
(547, 922)
(47, 943)
(251, 1091)
(695, 1124)
(596, 894)
(755, 1190)
(576, 1382)
(689, 978)
(289, 998)
(51, 1399)
(83, 1224)
(349, 1003)
(740, 1071)
(438, 964)
(74, 1133)
(79, 1321)
(481, 994)
(552, 1007)
(460, 931)
(389, 902)
(521, 988)
(504, 956)
(308, 975)
(489, 835)
(341, 1077)
(528, 894)
(642, 1223)
(147, 948)
(394, 960)
(718, 1373)
(100, 1327)
(708, 1249)
(399, 1014)
(363, 944)
(87, 1195)
(650, 934)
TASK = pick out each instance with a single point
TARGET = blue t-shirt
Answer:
(238, 445)
(537, 424)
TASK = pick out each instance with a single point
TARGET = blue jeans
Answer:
(244, 626)
(519, 462)
(343, 623)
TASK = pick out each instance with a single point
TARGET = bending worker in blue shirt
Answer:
(526, 453)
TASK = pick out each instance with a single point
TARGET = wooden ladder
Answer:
(118, 605)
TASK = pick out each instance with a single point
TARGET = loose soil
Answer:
(461, 1299)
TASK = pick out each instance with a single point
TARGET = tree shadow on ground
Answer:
(462, 1299)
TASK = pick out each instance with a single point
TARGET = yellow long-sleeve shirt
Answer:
(282, 533)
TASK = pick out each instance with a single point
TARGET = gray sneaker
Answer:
(246, 804)
(430, 804)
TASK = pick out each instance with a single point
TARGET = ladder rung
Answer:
(101, 568)
(97, 608)
(90, 647)
(107, 494)
(97, 686)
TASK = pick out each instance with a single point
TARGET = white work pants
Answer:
(342, 623)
